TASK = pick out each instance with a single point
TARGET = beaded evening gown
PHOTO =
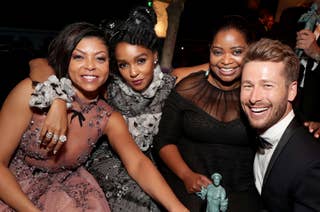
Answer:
(59, 182)
(142, 112)
(207, 126)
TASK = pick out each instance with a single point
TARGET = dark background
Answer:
(26, 28)
(53, 15)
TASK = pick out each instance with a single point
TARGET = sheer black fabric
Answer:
(207, 126)
(221, 105)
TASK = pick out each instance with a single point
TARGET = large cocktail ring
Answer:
(49, 135)
(62, 138)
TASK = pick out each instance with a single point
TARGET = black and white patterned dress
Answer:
(142, 112)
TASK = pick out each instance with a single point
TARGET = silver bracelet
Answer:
(44, 93)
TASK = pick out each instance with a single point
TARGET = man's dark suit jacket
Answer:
(308, 100)
(292, 179)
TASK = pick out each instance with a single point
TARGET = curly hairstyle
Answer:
(137, 29)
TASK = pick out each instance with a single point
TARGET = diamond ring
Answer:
(49, 135)
(62, 138)
(55, 138)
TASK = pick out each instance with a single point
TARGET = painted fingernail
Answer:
(55, 152)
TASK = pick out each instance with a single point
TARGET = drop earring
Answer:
(155, 61)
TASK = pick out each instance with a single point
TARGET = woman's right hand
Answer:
(195, 181)
(55, 126)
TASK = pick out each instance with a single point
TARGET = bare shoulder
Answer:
(16, 105)
(117, 132)
(15, 115)
(20, 93)
(116, 123)
(182, 72)
(24, 87)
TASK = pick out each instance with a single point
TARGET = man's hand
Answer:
(306, 40)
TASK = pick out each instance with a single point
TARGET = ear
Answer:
(292, 91)
(155, 58)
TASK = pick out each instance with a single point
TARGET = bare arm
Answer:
(140, 167)
(171, 130)
(172, 158)
(40, 69)
(182, 72)
(14, 118)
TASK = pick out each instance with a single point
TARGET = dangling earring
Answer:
(155, 61)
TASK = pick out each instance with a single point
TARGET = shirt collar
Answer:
(274, 133)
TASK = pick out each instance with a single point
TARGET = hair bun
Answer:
(110, 27)
(143, 15)
(136, 29)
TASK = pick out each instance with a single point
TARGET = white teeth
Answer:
(89, 77)
(259, 110)
(226, 69)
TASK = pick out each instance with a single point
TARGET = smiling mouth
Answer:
(227, 71)
(89, 78)
(258, 109)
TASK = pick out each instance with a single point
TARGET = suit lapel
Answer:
(283, 141)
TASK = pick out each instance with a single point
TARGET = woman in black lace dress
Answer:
(202, 129)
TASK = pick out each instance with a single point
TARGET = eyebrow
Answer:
(233, 47)
(83, 52)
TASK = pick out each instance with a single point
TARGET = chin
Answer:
(138, 88)
(258, 124)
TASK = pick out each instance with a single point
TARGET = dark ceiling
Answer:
(53, 15)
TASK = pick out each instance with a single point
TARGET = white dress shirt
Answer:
(271, 135)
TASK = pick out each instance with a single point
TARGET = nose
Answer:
(227, 59)
(90, 64)
(255, 95)
(133, 72)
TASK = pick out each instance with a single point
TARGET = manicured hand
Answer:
(54, 130)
